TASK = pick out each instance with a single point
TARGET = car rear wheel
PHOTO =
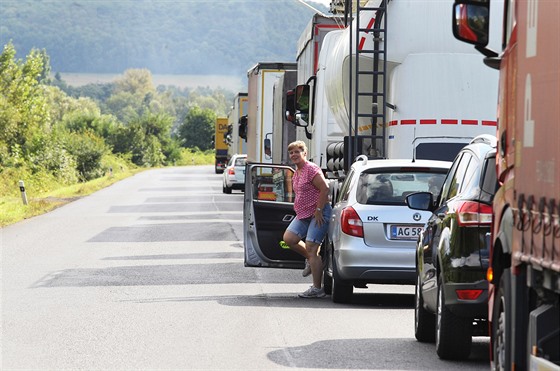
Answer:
(341, 289)
(226, 189)
(453, 334)
(424, 321)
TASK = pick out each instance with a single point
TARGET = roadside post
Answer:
(23, 194)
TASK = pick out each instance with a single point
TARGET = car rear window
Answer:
(391, 188)
(240, 161)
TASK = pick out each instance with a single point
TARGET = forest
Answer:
(192, 37)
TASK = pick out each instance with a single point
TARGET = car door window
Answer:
(447, 183)
(459, 175)
(272, 184)
(472, 175)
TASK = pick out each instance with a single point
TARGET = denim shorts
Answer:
(309, 229)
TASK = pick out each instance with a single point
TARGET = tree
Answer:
(24, 111)
(197, 129)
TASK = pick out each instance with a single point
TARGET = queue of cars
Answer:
(411, 222)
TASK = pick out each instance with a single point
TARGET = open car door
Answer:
(267, 211)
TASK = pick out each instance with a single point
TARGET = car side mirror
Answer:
(420, 201)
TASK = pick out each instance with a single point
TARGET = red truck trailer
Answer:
(524, 273)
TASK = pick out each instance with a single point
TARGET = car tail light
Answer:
(474, 213)
(468, 294)
(231, 171)
(351, 223)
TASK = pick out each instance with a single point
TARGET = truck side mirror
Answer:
(297, 105)
(291, 106)
(267, 148)
(302, 98)
(471, 22)
(243, 127)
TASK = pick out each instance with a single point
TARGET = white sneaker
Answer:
(313, 292)
(307, 270)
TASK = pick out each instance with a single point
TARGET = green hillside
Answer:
(197, 37)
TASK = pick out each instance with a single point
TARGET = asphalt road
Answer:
(148, 275)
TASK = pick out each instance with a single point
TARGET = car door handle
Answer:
(288, 218)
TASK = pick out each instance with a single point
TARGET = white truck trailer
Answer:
(237, 118)
(397, 93)
(261, 80)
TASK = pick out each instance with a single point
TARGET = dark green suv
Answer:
(451, 254)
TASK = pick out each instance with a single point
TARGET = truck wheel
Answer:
(453, 334)
(501, 325)
(424, 321)
(341, 289)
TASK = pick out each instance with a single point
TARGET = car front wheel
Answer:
(453, 334)
(327, 278)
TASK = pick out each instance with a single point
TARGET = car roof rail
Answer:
(362, 158)
(486, 139)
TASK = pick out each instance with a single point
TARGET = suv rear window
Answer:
(391, 188)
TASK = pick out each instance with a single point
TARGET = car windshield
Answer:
(391, 188)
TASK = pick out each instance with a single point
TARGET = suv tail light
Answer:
(474, 213)
(351, 223)
(468, 294)
(231, 171)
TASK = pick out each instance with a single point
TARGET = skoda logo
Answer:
(417, 216)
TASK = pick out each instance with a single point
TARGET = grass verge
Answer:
(12, 209)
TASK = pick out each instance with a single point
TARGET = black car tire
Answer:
(342, 290)
(226, 189)
(453, 334)
(424, 321)
(327, 278)
(501, 323)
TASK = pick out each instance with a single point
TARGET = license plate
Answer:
(405, 232)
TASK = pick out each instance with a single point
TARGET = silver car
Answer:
(372, 234)
(234, 173)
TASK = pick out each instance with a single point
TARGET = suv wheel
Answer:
(424, 321)
(453, 334)
(341, 289)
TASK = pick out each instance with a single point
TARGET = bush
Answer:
(88, 150)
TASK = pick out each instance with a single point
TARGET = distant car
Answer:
(451, 254)
(372, 233)
(234, 173)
